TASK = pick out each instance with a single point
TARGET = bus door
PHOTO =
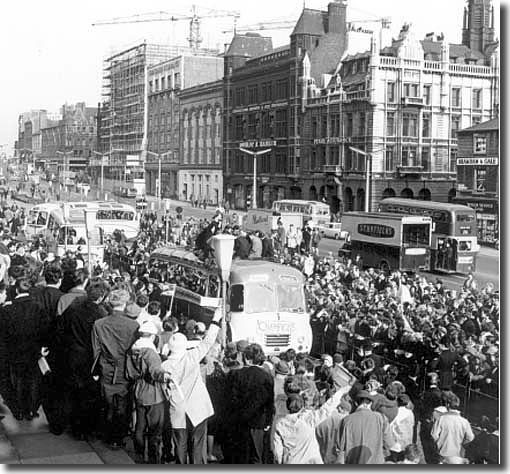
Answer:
(446, 255)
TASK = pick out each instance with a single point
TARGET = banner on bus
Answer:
(195, 298)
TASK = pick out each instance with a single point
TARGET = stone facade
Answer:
(200, 167)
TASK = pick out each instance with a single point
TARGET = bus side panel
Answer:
(374, 255)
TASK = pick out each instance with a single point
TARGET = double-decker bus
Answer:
(388, 241)
(314, 213)
(454, 244)
(266, 301)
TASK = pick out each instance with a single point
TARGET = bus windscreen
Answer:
(416, 234)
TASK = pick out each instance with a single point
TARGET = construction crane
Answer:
(266, 25)
(194, 19)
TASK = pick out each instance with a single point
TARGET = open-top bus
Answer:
(265, 301)
(110, 216)
(388, 241)
(454, 244)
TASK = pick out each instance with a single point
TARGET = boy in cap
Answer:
(143, 366)
(112, 337)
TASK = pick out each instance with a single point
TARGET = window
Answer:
(456, 102)
(239, 127)
(425, 158)
(361, 124)
(354, 68)
(348, 132)
(156, 85)
(252, 126)
(476, 120)
(411, 90)
(479, 144)
(426, 125)
(480, 180)
(177, 80)
(281, 123)
(477, 98)
(427, 90)
(324, 125)
(390, 124)
(455, 126)
(410, 125)
(266, 124)
(253, 96)
(240, 96)
(391, 91)
(335, 125)
(408, 156)
(453, 161)
(282, 89)
(390, 158)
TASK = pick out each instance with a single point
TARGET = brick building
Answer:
(478, 176)
(264, 99)
(403, 104)
(165, 81)
(200, 167)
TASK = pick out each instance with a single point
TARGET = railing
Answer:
(357, 95)
(470, 69)
(434, 65)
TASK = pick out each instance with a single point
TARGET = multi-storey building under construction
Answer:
(122, 122)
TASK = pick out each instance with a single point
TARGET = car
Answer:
(129, 193)
(333, 230)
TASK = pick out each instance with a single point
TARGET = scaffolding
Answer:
(122, 124)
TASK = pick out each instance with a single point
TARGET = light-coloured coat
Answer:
(188, 393)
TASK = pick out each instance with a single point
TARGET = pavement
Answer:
(30, 442)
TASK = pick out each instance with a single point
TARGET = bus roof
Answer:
(440, 206)
(300, 201)
(246, 270)
(100, 205)
(387, 216)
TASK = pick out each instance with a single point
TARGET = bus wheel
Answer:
(383, 266)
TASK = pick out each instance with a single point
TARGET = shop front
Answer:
(487, 216)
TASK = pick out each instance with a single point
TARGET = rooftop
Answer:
(484, 126)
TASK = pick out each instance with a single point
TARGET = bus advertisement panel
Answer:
(388, 241)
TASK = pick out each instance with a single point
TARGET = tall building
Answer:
(74, 134)
(200, 167)
(403, 105)
(165, 82)
(122, 122)
(264, 99)
(478, 176)
(29, 144)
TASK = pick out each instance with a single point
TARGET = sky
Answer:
(52, 54)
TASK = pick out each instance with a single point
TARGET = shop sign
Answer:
(376, 230)
(331, 140)
(258, 144)
(483, 161)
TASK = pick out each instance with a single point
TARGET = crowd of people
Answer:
(105, 356)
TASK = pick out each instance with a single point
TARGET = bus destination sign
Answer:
(376, 230)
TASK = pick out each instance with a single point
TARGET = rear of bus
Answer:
(416, 238)
(465, 239)
(267, 306)
(73, 237)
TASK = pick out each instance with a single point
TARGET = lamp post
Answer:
(254, 154)
(66, 165)
(102, 155)
(368, 172)
(159, 155)
(223, 246)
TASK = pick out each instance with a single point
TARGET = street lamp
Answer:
(368, 173)
(159, 155)
(66, 166)
(223, 246)
(254, 154)
(102, 155)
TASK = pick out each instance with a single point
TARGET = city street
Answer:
(487, 267)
